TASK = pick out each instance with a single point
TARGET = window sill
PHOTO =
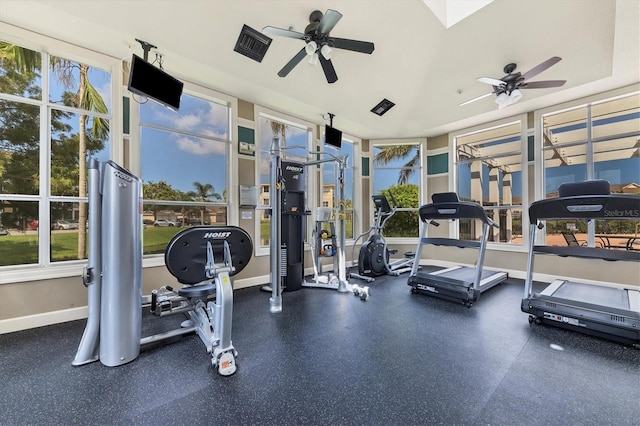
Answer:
(20, 274)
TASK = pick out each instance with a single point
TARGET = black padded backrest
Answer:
(590, 187)
(186, 253)
(445, 197)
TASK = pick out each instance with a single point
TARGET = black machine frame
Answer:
(609, 311)
(459, 283)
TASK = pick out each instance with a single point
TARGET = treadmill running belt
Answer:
(594, 294)
(467, 275)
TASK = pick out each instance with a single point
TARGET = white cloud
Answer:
(200, 146)
(186, 122)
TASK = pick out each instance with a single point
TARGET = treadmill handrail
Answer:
(614, 206)
(589, 252)
(451, 242)
(454, 210)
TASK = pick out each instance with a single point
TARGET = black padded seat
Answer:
(198, 291)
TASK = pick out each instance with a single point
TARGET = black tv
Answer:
(332, 136)
(145, 79)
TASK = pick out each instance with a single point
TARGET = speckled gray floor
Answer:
(331, 359)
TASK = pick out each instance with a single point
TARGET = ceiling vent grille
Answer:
(252, 44)
(384, 106)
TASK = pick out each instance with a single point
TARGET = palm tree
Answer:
(279, 129)
(393, 152)
(89, 99)
(204, 191)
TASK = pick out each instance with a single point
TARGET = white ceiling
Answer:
(418, 63)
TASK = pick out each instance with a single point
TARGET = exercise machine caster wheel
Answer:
(531, 318)
(413, 290)
(538, 321)
(226, 364)
(468, 304)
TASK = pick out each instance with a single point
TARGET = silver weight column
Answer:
(120, 310)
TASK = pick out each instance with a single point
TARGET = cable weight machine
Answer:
(282, 195)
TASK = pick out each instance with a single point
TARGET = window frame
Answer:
(539, 166)
(135, 152)
(422, 179)
(47, 47)
(356, 202)
(454, 231)
(312, 184)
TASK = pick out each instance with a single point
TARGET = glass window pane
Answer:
(68, 240)
(19, 148)
(20, 71)
(617, 161)
(294, 142)
(565, 127)
(66, 142)
(162, 221)
(196, 115)
(567, 164)
(79, 85)
(616, 117)
(180, 167)
(18, 232)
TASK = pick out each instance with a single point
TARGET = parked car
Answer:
(164, 222)
(4, 231)
(64, 224)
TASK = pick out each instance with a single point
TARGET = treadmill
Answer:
(610, 312)
(459, 283)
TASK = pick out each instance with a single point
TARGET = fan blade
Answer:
(328, 21)
(328, 69)
(542, 84)
(282, 32)
(541, 67)
(476, 99)
(292, 63)
(353, 45)
(491, 81)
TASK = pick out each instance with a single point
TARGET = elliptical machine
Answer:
(373, 259)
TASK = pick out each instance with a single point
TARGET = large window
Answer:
(295, 142)
(397, 174)
(330, 188)
(488, 171)
(55, 114)
(597, 140)
(184, 167)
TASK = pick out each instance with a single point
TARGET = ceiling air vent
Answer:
(384, 106)
(252, 44)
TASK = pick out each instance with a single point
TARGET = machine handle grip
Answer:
(87, 276)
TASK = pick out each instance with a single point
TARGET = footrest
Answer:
(203, 290)
(393, 251)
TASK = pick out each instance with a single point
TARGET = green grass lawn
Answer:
(19, 249)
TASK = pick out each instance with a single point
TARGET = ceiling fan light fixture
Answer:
(502, 98)
(515, 96)
(313, 59)
(326, 51)
(311, 48)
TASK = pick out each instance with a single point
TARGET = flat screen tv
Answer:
(145, 79)
(332, 136)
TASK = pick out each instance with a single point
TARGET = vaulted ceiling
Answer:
(418, 63)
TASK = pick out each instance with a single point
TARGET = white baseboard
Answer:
(56, 317)
(40, 320)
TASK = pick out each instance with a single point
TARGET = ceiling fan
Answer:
(507, 89)
(318, 43)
